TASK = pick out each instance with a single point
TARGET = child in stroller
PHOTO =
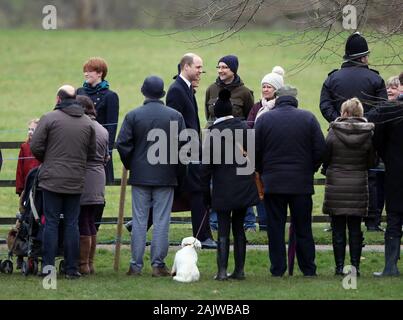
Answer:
(25, 239)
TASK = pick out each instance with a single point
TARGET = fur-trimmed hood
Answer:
(353, 131)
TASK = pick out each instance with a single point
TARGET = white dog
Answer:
(185, 263)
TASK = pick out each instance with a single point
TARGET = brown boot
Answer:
(85, 245)
(92, 253)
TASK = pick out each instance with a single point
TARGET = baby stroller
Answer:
(25, 239)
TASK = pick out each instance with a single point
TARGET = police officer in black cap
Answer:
(355, 79)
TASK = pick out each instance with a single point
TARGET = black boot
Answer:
(339, 250)
(392, 253)
(355, 243)
(239, 256)
(222, 258)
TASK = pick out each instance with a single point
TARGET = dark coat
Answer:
(64, 141)
(351, 81)
(106, 103)
(349, 155)
(133, 145)
(241, 98)
(230, 190)
(289, 148)
(181, 98)
(389, 145)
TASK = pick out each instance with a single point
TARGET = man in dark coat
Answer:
(289, 149)
(64, 141)
(152, 174)
(181, 97)
(356, 79)
(389, 145)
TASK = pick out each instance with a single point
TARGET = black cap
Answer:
(153, 87)
(356, 47)
(223, 106)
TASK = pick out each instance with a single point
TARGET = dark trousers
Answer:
(376, 183)
(394, 225)
(198, 213)
(301, 215)
(225, 221)
(339, 224)
(54, 205)
(88, 214)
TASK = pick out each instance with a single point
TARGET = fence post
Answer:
(120, 219)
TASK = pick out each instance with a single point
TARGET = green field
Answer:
(34, 64)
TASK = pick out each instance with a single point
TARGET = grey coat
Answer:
(349, 155)
(135, 146)
(63, 141)
(94, 187)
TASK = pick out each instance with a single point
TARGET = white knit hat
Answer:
(275, 78)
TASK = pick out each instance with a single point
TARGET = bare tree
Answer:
(319, 24)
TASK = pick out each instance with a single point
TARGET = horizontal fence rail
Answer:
(117, 182)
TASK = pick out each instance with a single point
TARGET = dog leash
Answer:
(204, 217)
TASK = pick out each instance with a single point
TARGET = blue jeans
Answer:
(249, 221)
(55, 204)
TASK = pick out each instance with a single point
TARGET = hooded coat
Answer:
(349, 155)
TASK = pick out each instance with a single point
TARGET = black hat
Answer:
(223, 106)
(153, 87)
(356, 47)
(231, 61)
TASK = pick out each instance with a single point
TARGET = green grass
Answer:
(258, 285)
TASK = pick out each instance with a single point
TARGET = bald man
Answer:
(63, 141)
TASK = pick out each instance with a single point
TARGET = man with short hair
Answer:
(152, 183)
(356, 79)
(64, 141)
(181, 97)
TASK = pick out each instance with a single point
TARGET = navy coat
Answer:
(106, 103)
(181, 98)
(133, 146)
(289, 148)
(351, 81)
(230, 190)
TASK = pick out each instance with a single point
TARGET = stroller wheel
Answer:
(7, 266)
(35, 267)
(61, 267)
(25, 268)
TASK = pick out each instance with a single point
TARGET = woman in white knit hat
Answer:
(271, 82)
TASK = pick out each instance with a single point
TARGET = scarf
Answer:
(103, 85)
